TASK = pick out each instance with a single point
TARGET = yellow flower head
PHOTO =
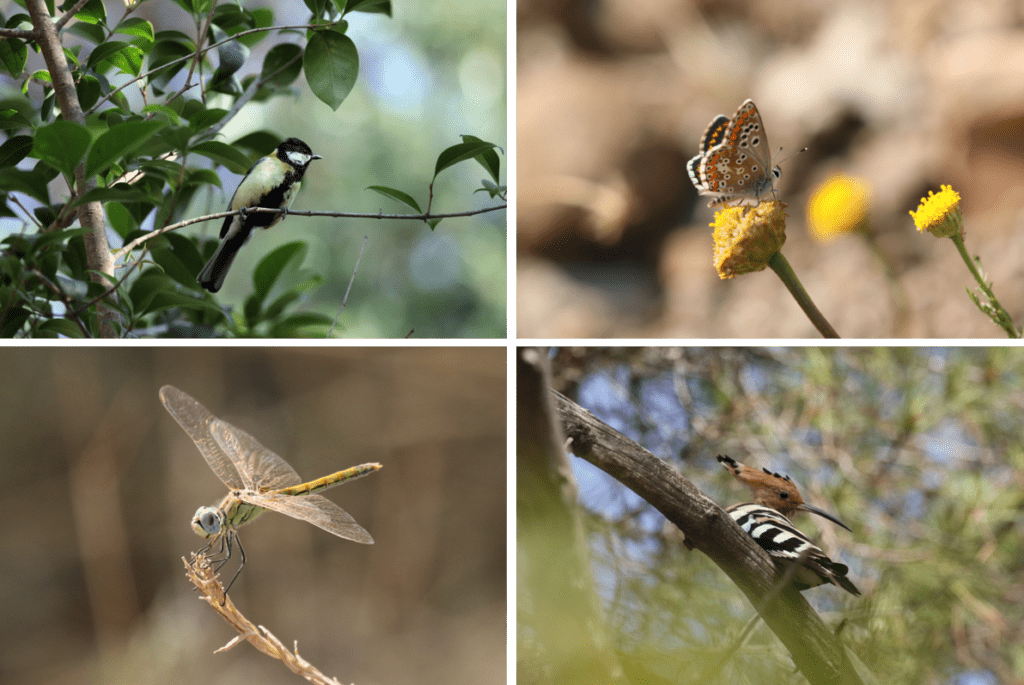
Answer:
(940, 214)
(838, 206)
(746, 240)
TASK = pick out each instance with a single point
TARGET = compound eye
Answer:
(206, 522)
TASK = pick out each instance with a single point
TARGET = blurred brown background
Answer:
(98, 485)
(613, 97)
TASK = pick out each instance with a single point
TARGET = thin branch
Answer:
(27, 34)
(72, 315)
(352, 280)
(202, 576)
(66, 17)
(30, 215)
(117, 254)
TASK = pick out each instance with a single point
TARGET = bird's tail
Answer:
(216, 270)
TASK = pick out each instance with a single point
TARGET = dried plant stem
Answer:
(201, 575)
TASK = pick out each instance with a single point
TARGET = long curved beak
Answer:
(824, 514)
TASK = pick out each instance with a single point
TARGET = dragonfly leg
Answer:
(221, 556)
(241, 552)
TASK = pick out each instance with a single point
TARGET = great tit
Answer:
(273, 182)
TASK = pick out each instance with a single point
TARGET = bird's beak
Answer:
(823, 514)
(315, 157)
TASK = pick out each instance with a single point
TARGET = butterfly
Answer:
(734, 164)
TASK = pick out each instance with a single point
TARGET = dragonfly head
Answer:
(208, 522)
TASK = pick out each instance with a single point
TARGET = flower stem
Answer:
(785, 272)
(994, 310)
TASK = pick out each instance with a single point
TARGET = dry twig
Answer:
(201, 575)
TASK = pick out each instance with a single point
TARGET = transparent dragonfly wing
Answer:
(261, 469)
(197, 421)
(320, 511)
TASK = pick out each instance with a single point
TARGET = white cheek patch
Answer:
(299, 159)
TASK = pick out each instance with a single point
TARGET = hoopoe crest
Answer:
(766, 519)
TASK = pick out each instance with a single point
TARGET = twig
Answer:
(202, 576)
(66, 17)
(117, 254)
(352, 280)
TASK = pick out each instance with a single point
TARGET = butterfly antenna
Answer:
(791, 156)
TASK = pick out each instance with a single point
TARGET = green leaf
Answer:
(60, 327)
(12, 120)
(277, 307)
(133, 26)
(44, 215)
(172, 116)
(105, 51)
(116, 143)
(122, 192)
(201, 7)
(15, 149)
(488, 159)
(278, 57)
(169, 47)
(374, 6)
(124, 56)
(459, 153)
(41, 75)
(170, 261)
(62, 145)
(261, 18)
(93, 33)
(89, 91)
(300, 323)
(93, 13)
(13, 55)
(121, 220)
(205, 119)
(397, 195)
(331, 64)
(258, 143)
(316, 7)
(32, 183)
(13, 321)
(223, 154)
(273, 265)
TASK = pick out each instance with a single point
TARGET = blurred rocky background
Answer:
(613, 97)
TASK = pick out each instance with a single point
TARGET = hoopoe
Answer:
(766, 520)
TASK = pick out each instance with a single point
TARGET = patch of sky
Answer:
(947, 441)
(974, 678)
(605, 395)
(602, 494)
(666, 420)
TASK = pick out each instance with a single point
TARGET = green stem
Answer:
(785, 272)
(998, 315)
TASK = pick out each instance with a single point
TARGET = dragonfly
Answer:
(257, 480)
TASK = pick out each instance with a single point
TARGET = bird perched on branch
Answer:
(272, 182)
(766, 519)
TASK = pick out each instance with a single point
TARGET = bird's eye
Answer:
(784, 495)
